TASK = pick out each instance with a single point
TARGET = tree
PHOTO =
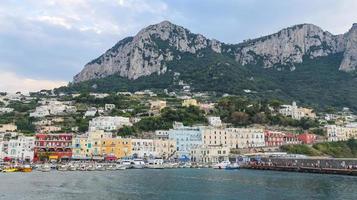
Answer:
(239, 118)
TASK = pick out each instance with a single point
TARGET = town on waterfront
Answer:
(172, 100)
(144, 129)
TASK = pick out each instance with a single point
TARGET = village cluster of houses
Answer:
(206, 144)
(195, 143)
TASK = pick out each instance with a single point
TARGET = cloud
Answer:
(10, 82)
(55, 21)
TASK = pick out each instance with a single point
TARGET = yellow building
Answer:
(164, 148)
(89, 146)
(118, 147)
(189, 102)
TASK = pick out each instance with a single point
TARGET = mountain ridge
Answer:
(153, 47)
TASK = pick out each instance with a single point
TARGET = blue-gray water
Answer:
(175, 184)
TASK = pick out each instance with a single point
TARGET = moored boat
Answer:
(221, 165)
(232, 166)
(26, 168)
(45, 168)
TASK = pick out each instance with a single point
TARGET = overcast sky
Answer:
(44, 43)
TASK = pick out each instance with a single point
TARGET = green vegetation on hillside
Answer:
(315, 82)
(341, 149)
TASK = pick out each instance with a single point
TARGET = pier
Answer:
(307, 165)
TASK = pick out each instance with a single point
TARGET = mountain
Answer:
(302, 62)
(149, 51)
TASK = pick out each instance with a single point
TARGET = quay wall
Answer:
(332, 163)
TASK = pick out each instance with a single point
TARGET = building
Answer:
(290, 138)
(109, 107)
(209, 155)
(6, 110)
(164, 148)
(340, 133)
(53, 146)
(7, 127)
(249, 137)
(143, 148)
(108, 123)
(214, 121)
(89, 145)
(91, 112)
(162, 134)
(187, 138)
(274, 138)
(296, 112)
(189, 102)
(116, 148)
(21, 148)
(307, 138)
(157, 106)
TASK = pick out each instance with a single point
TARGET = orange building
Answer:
(116, 148)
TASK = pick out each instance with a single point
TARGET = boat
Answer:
(138, 163)
(221, 165)
(91, 168)
(99, 168)
(11, 169)
(45, 168)
(120, 167)
(72, 168)
(156, 164)
(232, 166)
(127, 164)
(62, 168)
(26, 168)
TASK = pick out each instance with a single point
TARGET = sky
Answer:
(44, 43)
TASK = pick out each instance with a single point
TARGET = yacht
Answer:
(138, 163)
(233, 166)
(222, 165)
(156, 164)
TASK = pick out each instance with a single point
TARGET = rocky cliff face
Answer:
(349, 62)
(146, 53)
(289, 45)
(153, 47)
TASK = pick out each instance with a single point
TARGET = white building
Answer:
(91, 112)
(214, 121)
(6, 110)
(162, 134)
(108, 123)
(7, 127)
(248, 137)
(234, 138)
(109, 107)
(143, 148)
(21, 148)
(296, 112)
(340, 133)
(209, 155)
(187, 138)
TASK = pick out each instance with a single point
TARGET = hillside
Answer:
(341, 149)
(302, 63)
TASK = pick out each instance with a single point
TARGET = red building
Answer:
(273, 138)
(53, 146)
(307, 138)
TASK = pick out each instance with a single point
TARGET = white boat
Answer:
(138, 163)
(45, 168)
(233, 166)
(222, 165)
(120, 167)
(99, 167)
(62, 168)
(156, 164)
(72, 168)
